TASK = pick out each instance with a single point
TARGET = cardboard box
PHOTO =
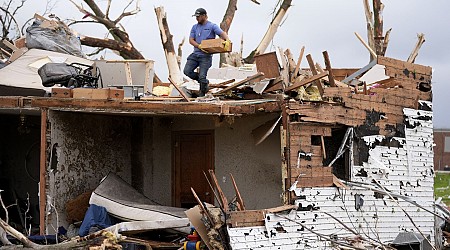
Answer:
(61, 92)
(214, 46)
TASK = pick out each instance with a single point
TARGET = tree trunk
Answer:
(378, 26)
(126, 50)
(273, 27)
(226, 24)
(169, 49)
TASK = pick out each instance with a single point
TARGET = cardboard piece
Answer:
(195, 217)
(213, 46)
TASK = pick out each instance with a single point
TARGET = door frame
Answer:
(176, 176)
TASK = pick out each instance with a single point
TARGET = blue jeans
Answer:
(204, 62)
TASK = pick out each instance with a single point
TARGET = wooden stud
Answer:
(297, 68)
(314, 71)
(241, 206)
(290, 60)
(328, 67)
(222, 84)
(148, 66)
(128, 73)
(179, 90)
(214, 192)
(323, 148)
(306, 81)
(219, 190)
(250, 78)
(372, 53)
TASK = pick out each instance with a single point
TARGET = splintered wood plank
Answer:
(268, 64)
(297, 67)
(240, 201)
(395, 63)
(219, 190)
(248, 79)
(306, 81)
(219, 85)
(314, 71)
(280, 209)
(328, 67)
(185, 97)
(290, 60)
(246, 218)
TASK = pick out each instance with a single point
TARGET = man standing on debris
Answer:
(200, 31)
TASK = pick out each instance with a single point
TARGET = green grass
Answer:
(442, 187)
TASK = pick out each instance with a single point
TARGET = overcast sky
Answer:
(316, 24)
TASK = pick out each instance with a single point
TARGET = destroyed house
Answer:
(352, 166)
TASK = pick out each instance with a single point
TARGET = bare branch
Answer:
(80, 21)
(108, 7)
(96, 52)
(130, 13)
(415, 52)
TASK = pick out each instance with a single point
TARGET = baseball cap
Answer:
(199, 12)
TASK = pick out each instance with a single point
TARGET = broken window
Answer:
(336, 149)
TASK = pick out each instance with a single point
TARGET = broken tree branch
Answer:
(415, 52)
(169, 49)
(372, 53)
(270, 33)
(126, 48)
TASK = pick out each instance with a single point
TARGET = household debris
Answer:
(356, 151)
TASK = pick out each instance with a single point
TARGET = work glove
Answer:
(226, 45)
(200, 47)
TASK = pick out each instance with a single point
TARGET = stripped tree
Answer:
(121, 41)
(273, 27)
(169, 49)
(376, 40)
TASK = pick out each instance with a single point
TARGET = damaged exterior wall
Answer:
(84, 148)
(87, 146)
(390, 148)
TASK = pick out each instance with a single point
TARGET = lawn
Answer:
(442, 187)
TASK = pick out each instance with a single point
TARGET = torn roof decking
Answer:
(144, 107)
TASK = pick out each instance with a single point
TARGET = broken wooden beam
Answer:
(297, 67)
(306, 81)
(372, 53)
(250, 78)
(314, 71)
(219, 190)
(222, 84)
(185, 97)
(328, 67)
(241, 206)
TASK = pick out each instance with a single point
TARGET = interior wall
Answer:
(256, 169)
(85, 148)
(19, 166)
(235, 153)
